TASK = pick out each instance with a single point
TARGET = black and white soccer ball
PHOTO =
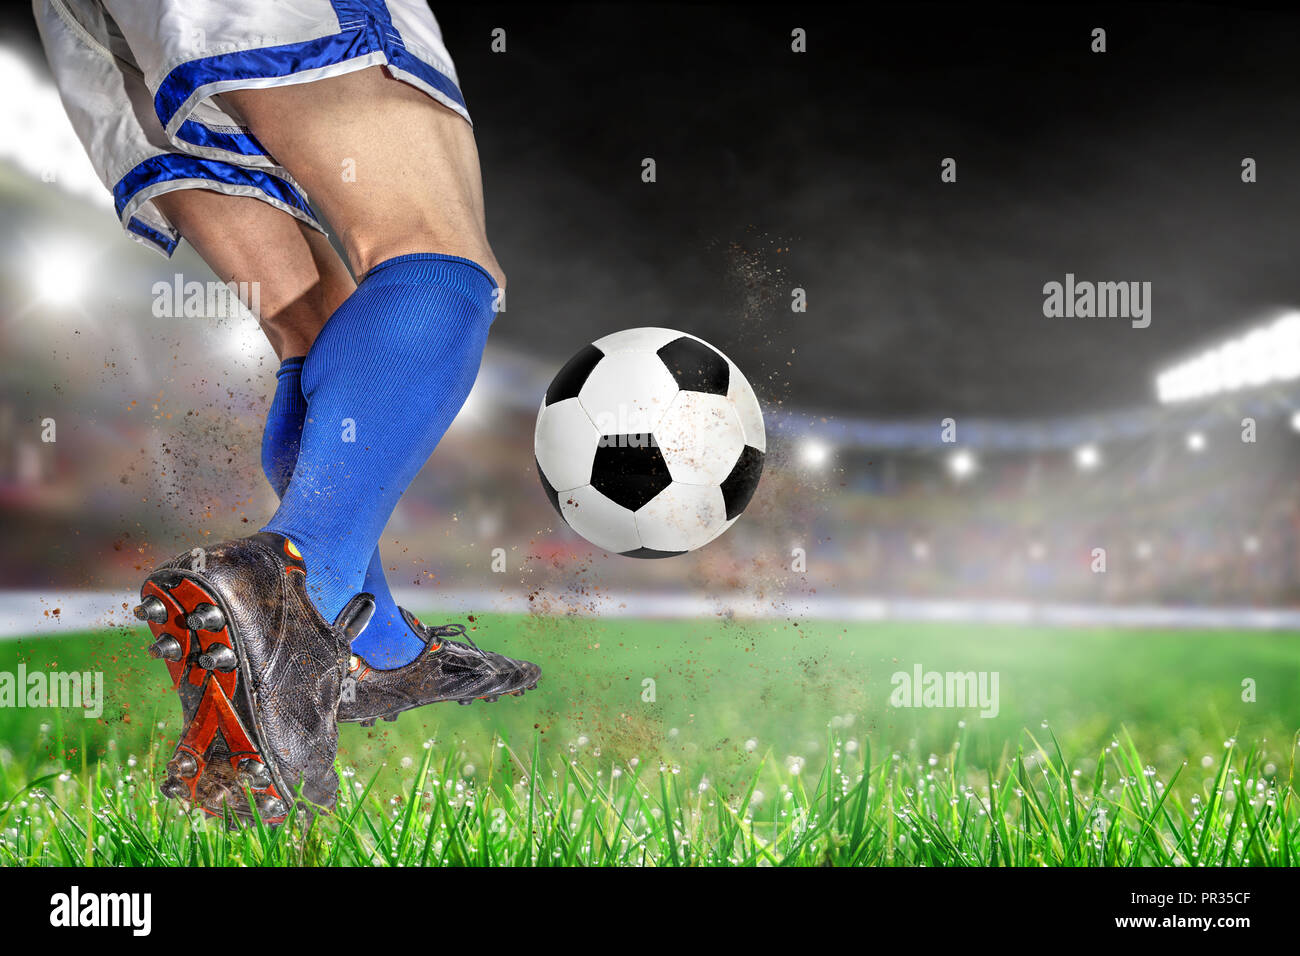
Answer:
(650, 443)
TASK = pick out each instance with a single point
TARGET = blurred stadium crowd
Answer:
(156, 424)
(1183, 516)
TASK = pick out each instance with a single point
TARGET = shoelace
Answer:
(444, 633)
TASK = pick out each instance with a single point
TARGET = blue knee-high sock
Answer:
(284, 425)
(383, 381)
(280, 441)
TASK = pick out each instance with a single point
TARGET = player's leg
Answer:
(220, 615)
(300, 281)
(299, 277)
(393, 365)
(391, 169)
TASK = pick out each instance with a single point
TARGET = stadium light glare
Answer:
(1087, 457)
(814, 453)
(962, 464)
(1264, 355)
(1196, 441)
(477, 412)
(1295, 421)
(243, 336)
(1143, 550)
(58, 273)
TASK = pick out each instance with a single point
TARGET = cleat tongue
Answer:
(151, 609)
(218, 657)
(356, 614)
(166, 648)
(206, 617)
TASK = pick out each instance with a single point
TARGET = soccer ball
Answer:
(650, 443)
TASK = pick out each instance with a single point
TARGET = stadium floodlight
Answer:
(814, 453)
(962, 464)
(1087, 457)
(1295, 421)
(1268, 354)
(58, 273)
(1196, 441)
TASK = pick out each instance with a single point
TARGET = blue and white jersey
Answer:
(140, 80)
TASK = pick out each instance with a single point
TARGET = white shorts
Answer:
(138, 80)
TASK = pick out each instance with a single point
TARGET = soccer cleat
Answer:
(218, 657)
(446, 670)
(152, 609)
(167, 648)
(258, 672)
(205, 617)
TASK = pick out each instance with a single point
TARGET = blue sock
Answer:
(387, 628)
(383, 381)
(284, 425)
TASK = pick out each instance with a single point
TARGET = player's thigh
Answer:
(391, 169)
(300, 278)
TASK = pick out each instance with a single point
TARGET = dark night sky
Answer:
(923, 297)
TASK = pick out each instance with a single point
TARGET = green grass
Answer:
(766, 743)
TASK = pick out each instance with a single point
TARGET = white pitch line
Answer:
(38, 613)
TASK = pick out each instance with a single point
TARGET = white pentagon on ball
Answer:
(649, 442)
(682, 517)
(565, 440)
(700, 437)
(598, 519)
(626, 394)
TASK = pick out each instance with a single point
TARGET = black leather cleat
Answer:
(184, 765)
(151, 609)
(206, 617)
(166, 648)
(258, 672)
(447, 670)
(218, 657)
(254, 773)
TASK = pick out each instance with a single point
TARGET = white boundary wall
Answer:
(32, 613)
